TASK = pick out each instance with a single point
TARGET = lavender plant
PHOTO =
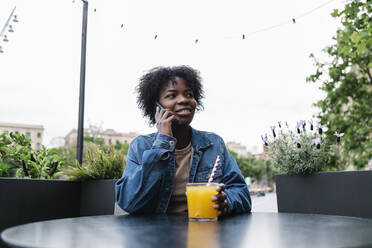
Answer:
(302, 151)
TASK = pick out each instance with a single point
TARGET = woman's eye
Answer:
(191, 95)
(171, 96)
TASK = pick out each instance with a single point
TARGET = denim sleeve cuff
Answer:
(166, 143)
(228, 204)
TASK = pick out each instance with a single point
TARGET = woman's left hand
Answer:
(220, 200)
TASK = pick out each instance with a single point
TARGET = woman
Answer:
(159, 165)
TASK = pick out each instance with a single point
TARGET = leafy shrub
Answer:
(22, 161)
(302, 151)
(4, 170)
(99, 164)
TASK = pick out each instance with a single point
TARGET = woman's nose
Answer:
(182, 99)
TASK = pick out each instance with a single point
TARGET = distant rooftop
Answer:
(7, 124)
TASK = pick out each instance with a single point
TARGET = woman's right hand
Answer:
(164, 118)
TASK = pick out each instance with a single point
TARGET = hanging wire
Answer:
(293, 20)
(315, 9)
(7, 22)
(10, 30)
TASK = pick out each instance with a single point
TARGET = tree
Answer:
(254, 167)
(347, 82)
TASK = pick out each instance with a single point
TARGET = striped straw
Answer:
(214, 169)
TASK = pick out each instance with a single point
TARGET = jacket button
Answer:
(171, 143)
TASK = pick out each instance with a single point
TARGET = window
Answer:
(28, 135)
(38, 135)
(16, 132)
(37, 145)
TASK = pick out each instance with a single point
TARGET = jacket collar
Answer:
(200, 140)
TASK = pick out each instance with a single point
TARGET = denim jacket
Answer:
(147, 182)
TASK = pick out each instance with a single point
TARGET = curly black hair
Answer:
(153, 82)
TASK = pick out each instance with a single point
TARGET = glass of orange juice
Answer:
(199, 202)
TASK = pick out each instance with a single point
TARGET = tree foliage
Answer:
(254, 167)
(347, 82)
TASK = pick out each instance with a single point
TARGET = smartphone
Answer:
(159, 105)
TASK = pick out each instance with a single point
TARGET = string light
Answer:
(292, 20)
(9, 26)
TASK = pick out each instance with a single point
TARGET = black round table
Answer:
(248, 230)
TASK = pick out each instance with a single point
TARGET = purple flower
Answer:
(286, 123)
(303, 124)
(320, 128)
(311, 125)
(316, 142)
(264, 139)
(297, 141)
(298, 125)
(339, 135)
(273, 130)
(280, 124)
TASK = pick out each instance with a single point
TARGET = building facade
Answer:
(239, 149)
(109, 136)
(33, 132)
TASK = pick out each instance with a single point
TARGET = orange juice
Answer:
(199, 203)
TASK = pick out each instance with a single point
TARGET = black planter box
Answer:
(97, 197)
(347, 193)
(29, 200)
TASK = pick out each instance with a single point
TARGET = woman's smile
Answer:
(184, 112)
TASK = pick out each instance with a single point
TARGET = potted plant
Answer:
(29, 190)
(37, 185)
(302, 155)
(98, 175)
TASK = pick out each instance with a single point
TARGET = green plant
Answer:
(23, 161)
(43, 163)
(302, 151)
(100, 164)
(4, 170)
(69, 154)
(346, 80)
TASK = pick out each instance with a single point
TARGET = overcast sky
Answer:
(249, 84)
